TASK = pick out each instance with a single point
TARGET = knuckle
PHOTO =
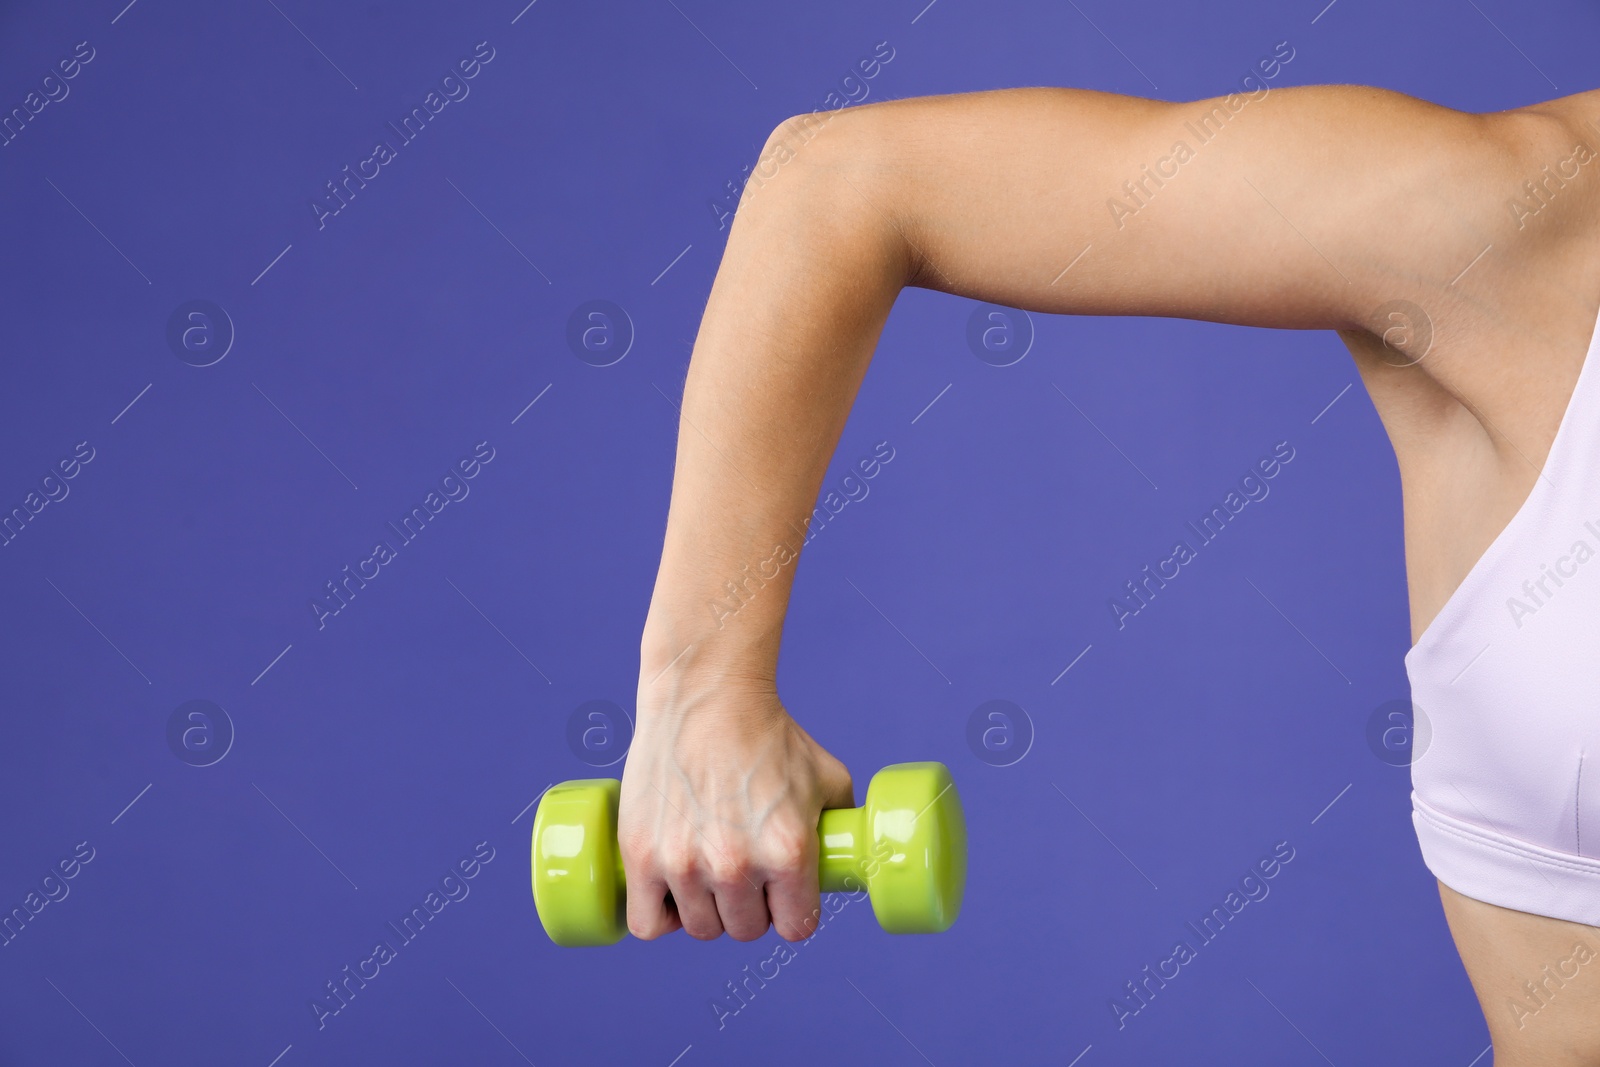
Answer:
(677, 866)
(729, 867)
(637, 849)
(788, 847)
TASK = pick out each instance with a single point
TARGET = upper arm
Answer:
(1300, 207)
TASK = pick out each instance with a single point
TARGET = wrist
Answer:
(680, 666)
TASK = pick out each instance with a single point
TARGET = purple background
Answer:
(428, 714)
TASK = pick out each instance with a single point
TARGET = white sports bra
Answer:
(1506, 774)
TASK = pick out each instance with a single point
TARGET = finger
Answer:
(696, 906)
(792, 897)
(650, 913)
(650, 910)
(744, 914)
(795, 906)
(741, 900)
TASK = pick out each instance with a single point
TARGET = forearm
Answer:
(811, 269)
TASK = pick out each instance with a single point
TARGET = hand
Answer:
(720, 800)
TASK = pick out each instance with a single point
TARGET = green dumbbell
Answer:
(907, 846)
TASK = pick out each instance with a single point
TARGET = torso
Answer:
(1473, 421)
(1472, 426)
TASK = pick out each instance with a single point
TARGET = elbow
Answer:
(826, 172)
(806, 148)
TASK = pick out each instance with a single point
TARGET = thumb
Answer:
(838, 790)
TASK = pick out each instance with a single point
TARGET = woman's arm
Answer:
(1299, 208)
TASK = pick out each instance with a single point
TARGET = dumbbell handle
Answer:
(841, 850)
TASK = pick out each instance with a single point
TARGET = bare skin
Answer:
(1305, 208)
(1506, 952)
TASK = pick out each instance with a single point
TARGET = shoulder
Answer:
(1556, 148)
(1507, 318)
